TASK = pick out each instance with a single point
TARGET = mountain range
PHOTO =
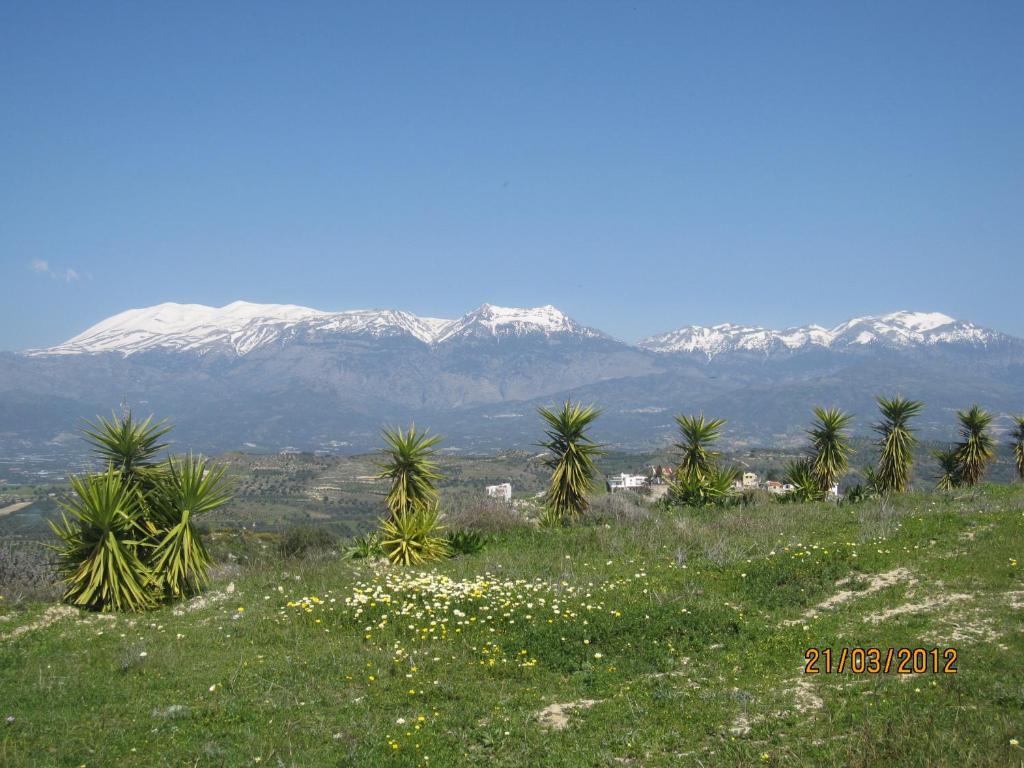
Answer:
(265, 376)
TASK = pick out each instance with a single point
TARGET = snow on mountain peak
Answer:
(919, 321)
(896, 329)
(242, 326)
(490, 320)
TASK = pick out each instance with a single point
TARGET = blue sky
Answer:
(640, 165)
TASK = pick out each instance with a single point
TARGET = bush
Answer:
(128, 538)
(26, 572)
(622, 507)
(487, 516)
(712, 487)
(302, 540)
(466, 542)
(101, 560)
(412, 538)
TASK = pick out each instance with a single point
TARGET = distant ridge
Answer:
(276, 375)
(897, 329)
(241, 327)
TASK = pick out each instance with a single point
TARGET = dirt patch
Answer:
(804, 697)
(12, 508)
(969, 535)
(1015, 599)
(199, 602)
(741, 725)
(876, 583)
(972, 627)
(556, 716)
(52, 614)
(930, 604)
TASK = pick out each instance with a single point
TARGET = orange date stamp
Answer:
(881, 661)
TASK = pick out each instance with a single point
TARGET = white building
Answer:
(626, 482)
(502, 491)
(750, 480)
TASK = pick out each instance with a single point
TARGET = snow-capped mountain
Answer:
(894, 330)
(274, 375)
(242, 327)
(491, 321)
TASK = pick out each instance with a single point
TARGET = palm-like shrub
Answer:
(571, 460)
(363, 548)
(466, 542)
(189, 488)
(409, 465)
(1018, 445)
(129, 541)
(896, 444)
(830, 447)
(949, 469)
(126, 444)
(805, 485)
(101, 557)
(413, 537)
(694, 488)
(976, 448)
(698, 435)
(699, 481)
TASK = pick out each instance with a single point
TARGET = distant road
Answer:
(15, 508)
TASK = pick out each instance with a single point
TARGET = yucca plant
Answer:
(126, 444)
(466, 542)
(694, 488)
(872, 485)
(101, 557)
(698, 435)
(1017, 436)
(410, 467)
(363, 548)
(976, 448)
(949, 469)
(571, 454)
(805, 486)
(413, 537)
(189, 488)
(830, 447)
(129, 540)
(896, 443)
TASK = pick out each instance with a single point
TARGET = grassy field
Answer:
(644, 638)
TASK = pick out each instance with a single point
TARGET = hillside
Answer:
(644, 638)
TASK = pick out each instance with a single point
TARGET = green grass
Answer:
(687, 630)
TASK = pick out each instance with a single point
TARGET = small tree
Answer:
(1018, 445)
(571, 454)
(698, 435)
(409, 464)
(976, 448)
(830, 447)
(699, 481)
(410, 535)
(948, 477)
(896, 444)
